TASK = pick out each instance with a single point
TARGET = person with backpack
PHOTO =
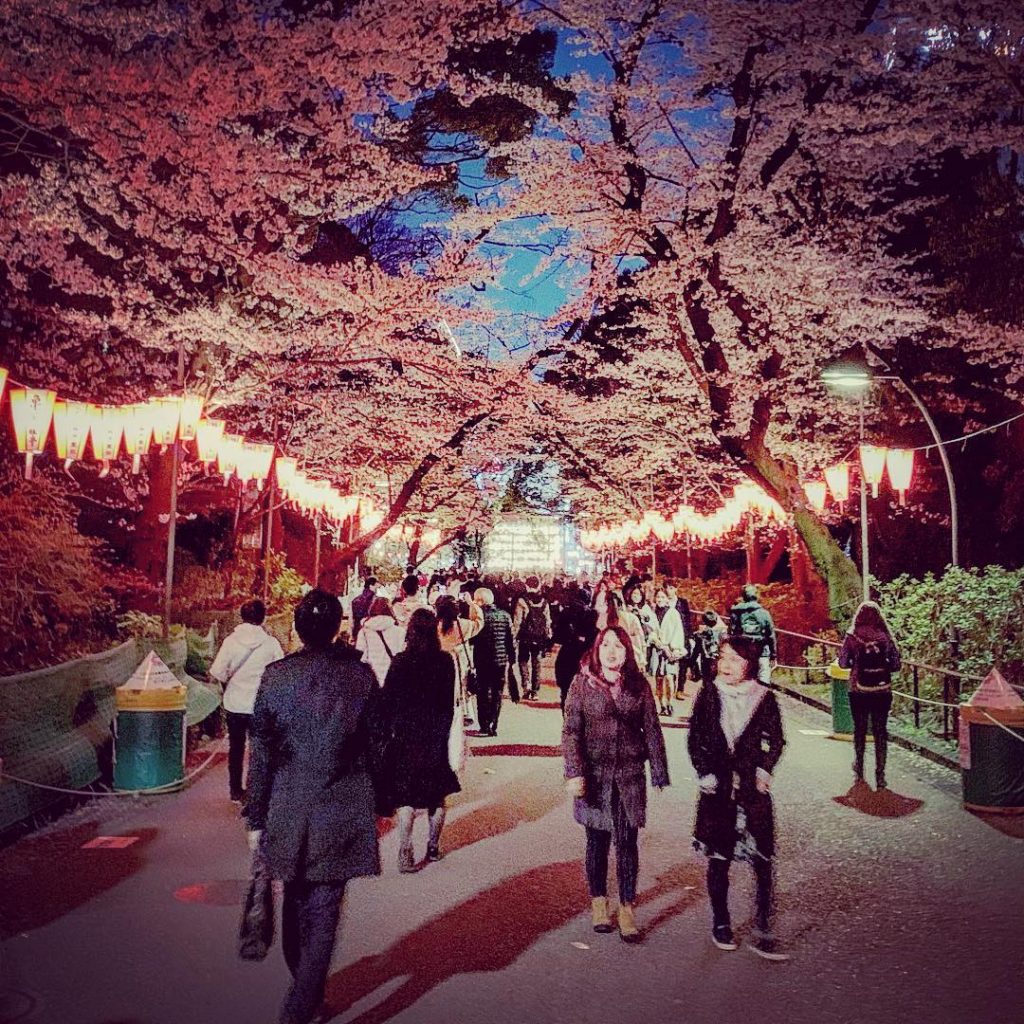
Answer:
(493, 652)
(247, 650)
(532, 628)
(872, 656)
(749, 618)
(361, 604)
(380, 638)
(708, 642)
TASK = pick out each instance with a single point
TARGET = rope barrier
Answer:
(973, 433)
(169, 787)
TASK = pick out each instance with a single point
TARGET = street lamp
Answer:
(856, 378)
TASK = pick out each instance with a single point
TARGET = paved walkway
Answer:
(904, 909)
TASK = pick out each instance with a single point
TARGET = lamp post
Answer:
(857, 378)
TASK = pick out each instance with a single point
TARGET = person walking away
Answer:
(668, 649)
(574, 633)
(493, 652)
(361, 604)
(532, 627)
(419, 703)
(735, 742)
(872, 656)
(708, 641)
(610, 730)
(247, 650)
(381, 638)
(454, 632)
(311, 806)
(750, 619)
(410, 599)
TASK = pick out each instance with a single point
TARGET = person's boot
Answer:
(599, 916)
(628, 930)
(880, 782)
(858, 770)
(406, 864)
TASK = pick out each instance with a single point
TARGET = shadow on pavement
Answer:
(1011, 825)
(516, 750)
(878, 804)
(48, 876)
(529, 801)
(488, 932)
(687, 879)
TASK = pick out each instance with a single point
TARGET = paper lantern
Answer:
(663, 529)
(106, 429)
(816, 494)
(191, 407)
(254, 462)
(872, 464)
(228, 453)
(138, 433)
(285, 469)
(71, 422)
(900, 463)
(165, 416)
(208, 437)
(32, 413)
(838, 480)
(3, 382)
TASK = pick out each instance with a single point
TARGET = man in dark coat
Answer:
(493, 652)
(361, 605)
(310, 809)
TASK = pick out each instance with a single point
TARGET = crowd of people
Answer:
(342, 732)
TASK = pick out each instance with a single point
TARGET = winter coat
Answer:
(380, 639)
(759, 746)
(247, 650)
(575, 632)
(758, 622)
(361, 608)
(403, 609)
(494, 648)
(607, 745)
(853, 647)
(310, 763)
(668, 641)
(531, 598)
(635, 630)
(419, 703)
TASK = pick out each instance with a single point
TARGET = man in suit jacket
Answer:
(311, 799)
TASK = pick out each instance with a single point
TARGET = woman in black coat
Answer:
(735, 741)
(575, 629)
(611, 729)
(419, 703)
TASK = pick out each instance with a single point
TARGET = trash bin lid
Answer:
(995, 692)
(834, 671)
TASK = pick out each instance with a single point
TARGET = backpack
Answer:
(535, 627)
(751, 626)
(873, 664)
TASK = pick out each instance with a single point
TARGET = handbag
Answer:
(457, 742)
(256, 930)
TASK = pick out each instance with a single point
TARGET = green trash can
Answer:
(842, 716)
(149, 731)
(992, 759)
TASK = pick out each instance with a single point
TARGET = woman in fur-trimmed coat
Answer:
(735, 742)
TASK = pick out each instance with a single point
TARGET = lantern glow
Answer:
(138, 433)
(872, 463)
(165, 415)
(106, 430)
(71, 422)
(838, 479)
(900, 463)
(208, 437)
(228, 453)
(816, 492)
(32, 413)
(191, 410)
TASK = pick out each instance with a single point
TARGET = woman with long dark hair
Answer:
(454, 631)
(872, 656)
(419, 701)
(611, 729)
(735, 742)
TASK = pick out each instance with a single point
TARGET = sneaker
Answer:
(721, 936)
(766, 947)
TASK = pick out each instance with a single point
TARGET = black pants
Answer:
(490, 682)
(309, 921)
(238, 730)
(718, 891)
(627, 861)
(874, 707)
(529, 654)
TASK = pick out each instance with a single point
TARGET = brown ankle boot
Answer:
(628, 930)
(599, 916)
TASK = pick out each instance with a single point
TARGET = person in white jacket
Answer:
(380, 638)
(247, 650)
(668, 649)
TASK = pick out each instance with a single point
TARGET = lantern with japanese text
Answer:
(106, 430)
(71, 422)
(32, 413)
(191, 410)
(900, 463)
(165, 414)
(208, 437)
(872, 464)
(816, 494)
(228, 453)
(838, 480)
(138, 432)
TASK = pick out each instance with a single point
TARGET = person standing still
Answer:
(247, 650)
(311, 809)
